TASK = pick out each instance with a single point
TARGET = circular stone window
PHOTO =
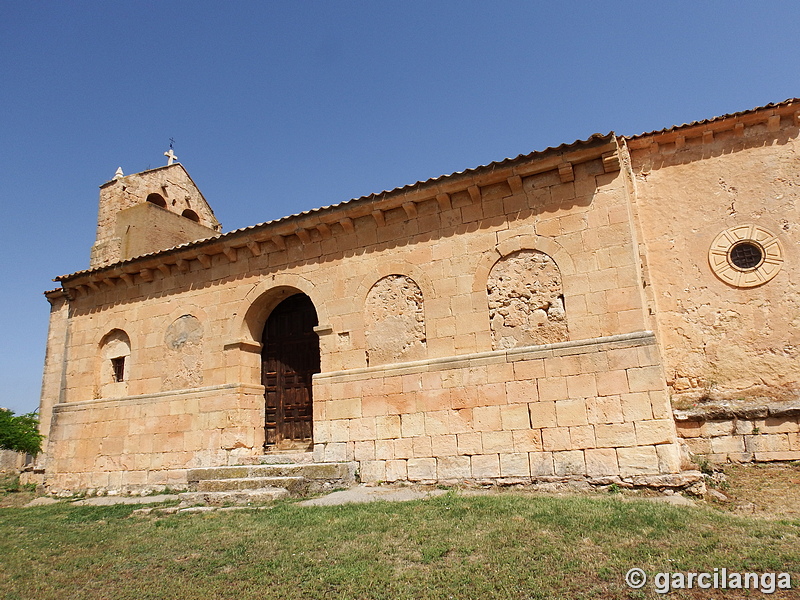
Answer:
(746, 256)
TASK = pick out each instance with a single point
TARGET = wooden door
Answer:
(288, 360)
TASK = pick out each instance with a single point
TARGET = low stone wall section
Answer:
(591, 408)
(734, 433)
(150, 441)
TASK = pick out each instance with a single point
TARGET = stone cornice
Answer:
(774, 116)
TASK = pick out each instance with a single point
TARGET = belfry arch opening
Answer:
(157, 199)
(191, 215)
(289, 358)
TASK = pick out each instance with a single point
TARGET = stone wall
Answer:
(737, 431)
(692, 185)
(438, 255)
(11, 462)
(743, 440)
(149, 441)
(590, 408)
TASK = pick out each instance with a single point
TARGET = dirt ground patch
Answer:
(769, 490)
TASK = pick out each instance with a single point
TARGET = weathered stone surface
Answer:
(184, 355)
(526, 301)
(395, 321)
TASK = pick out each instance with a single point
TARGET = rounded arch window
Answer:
(115, 352)
(157, 199)
(191, 215)
(746, 256)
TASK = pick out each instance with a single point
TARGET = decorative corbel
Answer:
(610, 161)
(324, 231)
(411, 209)
(515, 183)
(279, 241)
(565, 172)
(444, 201)
(230, 253)
(255, 248)
(347, 225)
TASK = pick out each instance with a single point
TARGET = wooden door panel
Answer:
(289, 359)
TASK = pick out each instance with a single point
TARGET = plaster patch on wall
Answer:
(395, 321)
(183, 362)
(526, 302)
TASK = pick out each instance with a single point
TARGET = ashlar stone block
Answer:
(571, 412)
(469, 443)
(639, 460)
(412, 424)
(601, 462)
(420, 469)
(454, 467)
(543, 414)
(515, 416)
(655, 432)
(444, 445)
(604, 409)
(556, 438)
(569, 462)
(485, 466)
(372, 470)
(497, 441)
(541, 464)
(527, 440)
(615, 435)
(515, 465)
(396, 470)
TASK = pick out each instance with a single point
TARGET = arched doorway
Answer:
(289, 358)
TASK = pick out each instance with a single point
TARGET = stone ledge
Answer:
(732, 410)
(626, 340)
(158, 396)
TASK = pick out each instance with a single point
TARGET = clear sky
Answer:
(277, 108)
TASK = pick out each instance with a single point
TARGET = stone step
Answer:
(222, 498)
(295, 486)
(278, 457)
(314, 471)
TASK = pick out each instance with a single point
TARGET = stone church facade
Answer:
(539, 317)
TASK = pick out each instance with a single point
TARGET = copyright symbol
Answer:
(635, 578)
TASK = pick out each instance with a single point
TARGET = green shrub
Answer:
(20, 433)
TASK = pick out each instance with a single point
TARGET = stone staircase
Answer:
(266, 478)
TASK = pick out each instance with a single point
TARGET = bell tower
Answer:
(150, 211)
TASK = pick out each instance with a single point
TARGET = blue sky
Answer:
(277, 108)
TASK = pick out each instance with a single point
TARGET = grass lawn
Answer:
(508, 545)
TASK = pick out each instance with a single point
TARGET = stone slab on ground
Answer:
(110, 500)
(42, 501)
(364, 493)
(222, 498)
